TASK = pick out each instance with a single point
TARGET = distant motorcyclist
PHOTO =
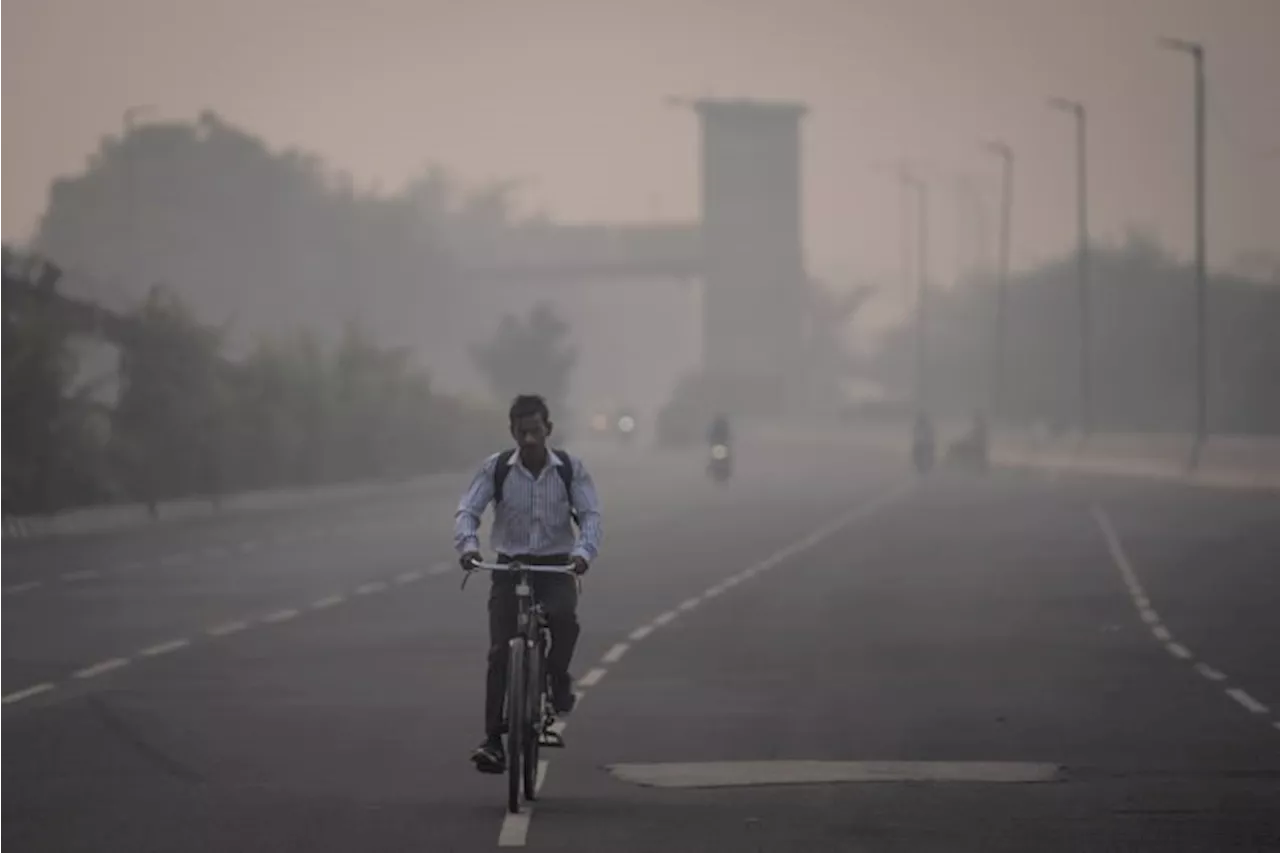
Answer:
(718, 432)
(923, 443)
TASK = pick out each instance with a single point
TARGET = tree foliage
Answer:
(529, 355)
(271, 240)
(1142, 349)
(188, 421)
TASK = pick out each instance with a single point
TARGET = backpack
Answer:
(565, 469)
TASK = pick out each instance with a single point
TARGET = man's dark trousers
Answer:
(559, 597)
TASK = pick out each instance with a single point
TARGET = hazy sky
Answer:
(569, 94)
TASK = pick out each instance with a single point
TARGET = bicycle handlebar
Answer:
(481, 566)
(515, 566)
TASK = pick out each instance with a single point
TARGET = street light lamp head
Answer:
(1183, 45)
(999, 148)
(1066, 105)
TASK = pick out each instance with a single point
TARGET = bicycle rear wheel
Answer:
(534, 693)
(517, 723)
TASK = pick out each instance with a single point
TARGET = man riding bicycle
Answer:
(537, 493)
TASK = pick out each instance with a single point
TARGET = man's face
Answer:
(530, 432)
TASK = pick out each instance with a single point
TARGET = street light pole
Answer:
(922, 285)
(1005, 153)
(1082, 259)
(1196, 52)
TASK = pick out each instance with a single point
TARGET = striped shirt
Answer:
(533, 518)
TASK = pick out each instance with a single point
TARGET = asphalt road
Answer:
(1010, 663)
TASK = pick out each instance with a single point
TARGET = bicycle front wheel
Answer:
(535, 691)
(517, 720)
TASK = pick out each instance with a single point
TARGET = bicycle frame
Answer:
(529, 714)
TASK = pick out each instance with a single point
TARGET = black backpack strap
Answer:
(566, 474)
(500, 471)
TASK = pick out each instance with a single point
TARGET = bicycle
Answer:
(530, 713)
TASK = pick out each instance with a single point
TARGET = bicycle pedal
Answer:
(551, 740)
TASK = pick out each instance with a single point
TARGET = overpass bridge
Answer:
(745, 251)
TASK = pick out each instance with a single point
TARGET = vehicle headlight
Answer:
(719, 451)
(626, 423)
(599, 423)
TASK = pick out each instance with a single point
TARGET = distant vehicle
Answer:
(720, 465)
(625, 426)
(970, 452)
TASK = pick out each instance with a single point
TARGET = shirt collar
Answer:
(553, 458)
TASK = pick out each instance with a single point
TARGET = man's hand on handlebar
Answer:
(580, 565)
(468, 560)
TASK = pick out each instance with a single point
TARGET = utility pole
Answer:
(1005, 153)
(1082, 261)
(1196, 52)
(922, 285)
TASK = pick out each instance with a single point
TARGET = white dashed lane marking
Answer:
(327, 601)
(664, 618)
(1248, 702)
(21, 587)
(640, 633)
(227, 628)
(370, 588)
(27, 693)
(280, 616)
(615, 654)
(1210, 673)
(100, 668)
(165, 648)
(592, 677)
(1148, 615)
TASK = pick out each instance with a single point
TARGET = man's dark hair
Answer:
(528, 405)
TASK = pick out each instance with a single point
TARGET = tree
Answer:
(529, 356)
(168, 424)
(1142, 348)
(51, 452)
(274, 239)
